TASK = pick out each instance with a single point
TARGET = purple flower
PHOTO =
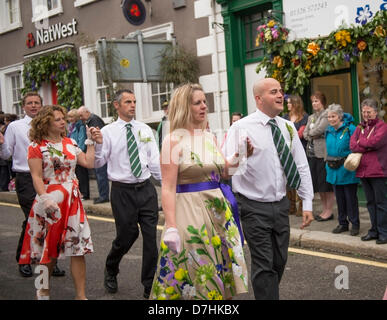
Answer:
(62, 67)
(347, 57)
(335, 52)
(355, 52)
(214, 176)
(299, 53)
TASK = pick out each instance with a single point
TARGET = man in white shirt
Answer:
(261, 187)
(132, 156)
(15, 144)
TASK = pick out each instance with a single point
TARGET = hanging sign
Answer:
(134, 11)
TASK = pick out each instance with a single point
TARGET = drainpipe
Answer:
(216, 69)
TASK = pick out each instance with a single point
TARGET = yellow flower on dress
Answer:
(231, 253)
(228, 214)
(214, 295)
(170, 290)
(216, 242)
(181, 274)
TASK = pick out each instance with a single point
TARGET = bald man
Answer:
(261, 189)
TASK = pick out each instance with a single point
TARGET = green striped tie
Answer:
(285, 156)
(134, 158)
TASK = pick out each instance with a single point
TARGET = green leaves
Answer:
(300, 65)
(60, 67)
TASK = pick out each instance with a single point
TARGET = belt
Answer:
(227, 193)
(23, 173)
(130, 185)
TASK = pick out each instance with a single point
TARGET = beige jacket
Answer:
(315, 131)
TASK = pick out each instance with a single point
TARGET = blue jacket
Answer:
(337, 142)
(79, 134)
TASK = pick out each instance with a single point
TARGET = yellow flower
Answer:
(214, 295)
(308, 65)
(278, 61)
(170, 290)
(313, 48)
(228, 214)
(216, 242)
(231, 253)
(164, 247)
(176, 296)
(181, 274)
(343, 37)
(271, 24)
(380, 32)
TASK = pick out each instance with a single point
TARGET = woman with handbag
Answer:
(344, 182)
(316, 153)
(370, 139)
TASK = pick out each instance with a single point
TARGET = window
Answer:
(80, 3)
(103, 95)
(16, 94)
(250, 24)
(161, 92)
(9, 15)
(43, 9)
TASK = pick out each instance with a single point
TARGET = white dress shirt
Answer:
(16, 142)
(262, 178)
(114, 152)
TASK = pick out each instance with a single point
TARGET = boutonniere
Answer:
(343, 133)
(54, 151)
(144, 139)
(291, 132)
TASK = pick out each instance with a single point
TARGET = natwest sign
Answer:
(53, 33)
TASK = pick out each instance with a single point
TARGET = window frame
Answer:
(5, 23)
(80, 3)
(6, 86)
(38, 16)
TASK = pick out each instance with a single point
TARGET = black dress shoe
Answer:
(147, 292)
(381, 241)
(319, 219)
(354, 231)
(340, 228)
(99, 200)
(110, 282)
(56, 272)
(368, 237)
(25, 270)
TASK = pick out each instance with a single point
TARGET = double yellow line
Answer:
(292, 250)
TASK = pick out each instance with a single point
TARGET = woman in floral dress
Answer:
(201, 255)
(57, 225)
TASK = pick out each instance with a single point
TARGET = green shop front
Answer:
(339, 49)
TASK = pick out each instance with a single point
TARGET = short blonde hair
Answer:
(180, 114)
(73, 113)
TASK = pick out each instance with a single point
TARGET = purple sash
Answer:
(227, 193)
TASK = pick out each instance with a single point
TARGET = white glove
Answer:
(172, 239)
(88, 132)
(49, 204)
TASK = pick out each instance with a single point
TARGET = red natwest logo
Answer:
(30, 41)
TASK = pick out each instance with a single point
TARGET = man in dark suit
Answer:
(92, 120)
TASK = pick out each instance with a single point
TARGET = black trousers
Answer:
(267, 231)
(375, 190)
(83, 177)
(133, 205)
(26, 195)
(347, 204)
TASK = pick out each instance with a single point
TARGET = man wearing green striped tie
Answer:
(130, 150)
(278, 160)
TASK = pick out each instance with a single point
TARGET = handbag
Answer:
(335, 162)
(352, 161)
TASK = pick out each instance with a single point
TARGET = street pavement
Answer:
(318, 236)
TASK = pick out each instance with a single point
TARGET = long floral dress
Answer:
(65, 232)
(211, 264)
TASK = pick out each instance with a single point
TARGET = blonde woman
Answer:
(201, 255)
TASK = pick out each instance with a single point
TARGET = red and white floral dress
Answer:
(65, 232)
